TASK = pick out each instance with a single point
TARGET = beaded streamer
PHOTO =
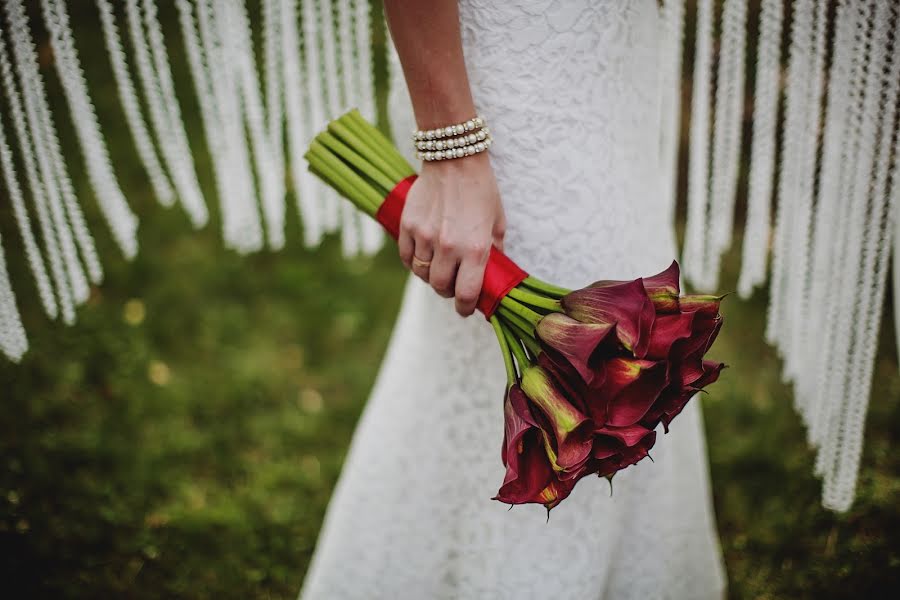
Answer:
(162, 188)
(670, 60)
(762, 155)
(726, 139)
(49, 186)
(32, 253)
(121, 220)
(13, 342)
(695, 245)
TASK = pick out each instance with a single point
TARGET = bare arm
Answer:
(453, 211)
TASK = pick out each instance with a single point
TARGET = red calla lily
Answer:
(631, 388)
(609, 302)
(571, 428)
(577, 342)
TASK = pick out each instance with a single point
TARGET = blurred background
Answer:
(183, 438)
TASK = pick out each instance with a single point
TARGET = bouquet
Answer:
(590, 373)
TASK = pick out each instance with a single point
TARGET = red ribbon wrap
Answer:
(500, 274)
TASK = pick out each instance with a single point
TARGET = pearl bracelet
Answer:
(458, 152)
(454, 142)
(450, 130)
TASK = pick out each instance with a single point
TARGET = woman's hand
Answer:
(453, 215)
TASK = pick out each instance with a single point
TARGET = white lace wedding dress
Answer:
(570, 91)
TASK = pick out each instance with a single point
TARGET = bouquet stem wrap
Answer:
(501, 274)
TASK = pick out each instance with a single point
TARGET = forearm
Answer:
(427, 37)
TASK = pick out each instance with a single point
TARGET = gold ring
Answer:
(418, 262)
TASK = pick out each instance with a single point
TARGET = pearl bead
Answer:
(470, 125)
(479, 146)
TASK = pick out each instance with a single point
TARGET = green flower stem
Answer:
(523, 335)
(323, 160)
(367, 144)
(511, 376)
(321, 169)
(510, 316)
(388, 148)
(344, 191)
(517, 350)
(362, 145)
(352, 157)
(345, 180)
(367, 132)
(521, 310)
(554, 291)
(535, 300)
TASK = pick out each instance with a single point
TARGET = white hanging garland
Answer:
(32, 253)
(162, 188)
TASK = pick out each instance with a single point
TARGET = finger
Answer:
(468, 283)
(443, 272)
(421, 268)
(423, 253)
(406, 246)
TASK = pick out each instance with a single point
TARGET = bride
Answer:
(570, 190)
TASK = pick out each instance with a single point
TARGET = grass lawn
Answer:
(182, 440)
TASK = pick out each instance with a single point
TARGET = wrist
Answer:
(475, 161)
(441, 109)
(471, 169)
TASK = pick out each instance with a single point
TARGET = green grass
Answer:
(182, 440)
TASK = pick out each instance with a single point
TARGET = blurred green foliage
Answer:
(182, 440)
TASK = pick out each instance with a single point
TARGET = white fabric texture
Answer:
(571, 93)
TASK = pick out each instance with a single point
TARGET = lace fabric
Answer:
(571, 92)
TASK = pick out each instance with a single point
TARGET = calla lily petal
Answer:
(632, 386)
(528, 473)
(668, 280)
(668, 329)
(607, 463)
(609, 302)
(571, 428)
(707, 305)
(574, 340)
(664, 288)
(517, 420)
